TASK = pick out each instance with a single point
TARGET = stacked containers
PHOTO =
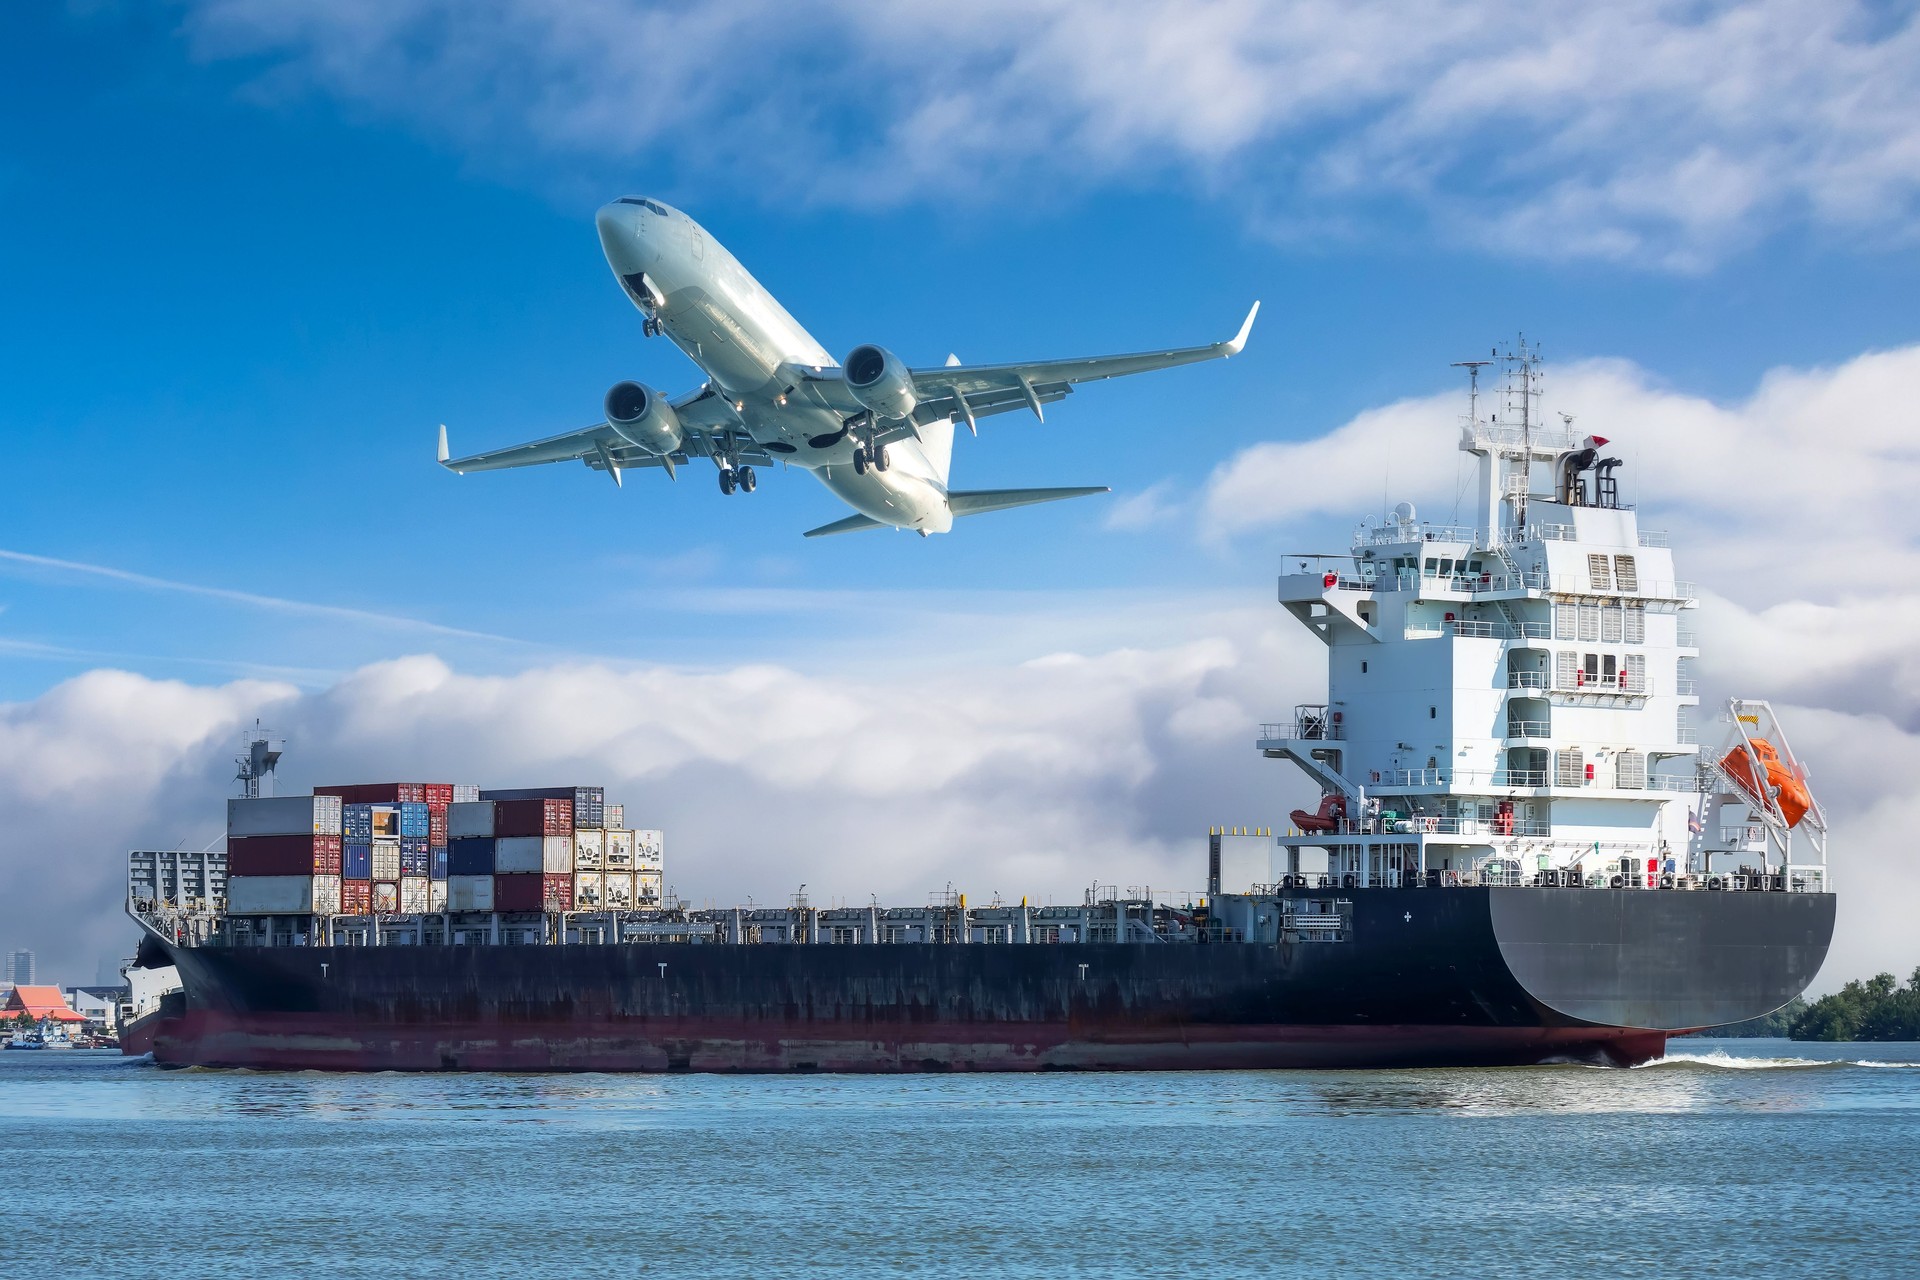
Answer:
(533, 853)
(589, 864)
(470, 855)
(617, 887)
(648, 851)
(284, 855)
(356, 866)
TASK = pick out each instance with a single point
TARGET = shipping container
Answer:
(326, 895)
(439, 794)
(284, 816)
(386, 859)
(533, 817)
(646, 889)
(467, 820)
(470, 857)
(465, 793)
(307, 855)
(589, 849)
(619, 850)
(470, 893)
(356, 861)
(356, 823)
(589, 804)
(274, 895)
(437, 866)
(436, 895)
(416, 856)
(526, 855)
(386, 821)
(414, 895)
(649, 845)
(414, 821)
(586, 891)
(618, 892)
(386, 896)
(379, 792)
(356, 896)
(616, 815)
(436, 826)
(533, 893)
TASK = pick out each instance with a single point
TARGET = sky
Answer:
(255, 254)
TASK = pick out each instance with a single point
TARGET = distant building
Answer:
(20, 968)
(38, 1003)
(99, 1005)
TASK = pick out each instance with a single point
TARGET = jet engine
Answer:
(880, 382)
(643, 419)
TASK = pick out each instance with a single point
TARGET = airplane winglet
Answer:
(1239, 340)
(444, 455)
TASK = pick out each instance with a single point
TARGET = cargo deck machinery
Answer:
(1520, 854)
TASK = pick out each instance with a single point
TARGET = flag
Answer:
(1694, 825)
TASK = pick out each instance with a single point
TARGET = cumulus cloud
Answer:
(1650, 131)
(1031, 777)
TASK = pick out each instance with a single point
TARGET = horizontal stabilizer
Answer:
(980, 501)
(850, 525)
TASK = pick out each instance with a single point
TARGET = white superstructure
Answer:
(1513, 701)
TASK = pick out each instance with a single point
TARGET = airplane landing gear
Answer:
(726, 480)
(879, 457)
(650, 327)
(860, 460)
(746, 479)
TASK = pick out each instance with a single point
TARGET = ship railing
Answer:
(1666, 782)
(1540, 439)
(1473, 628)
(1529, 729)
(1686, 637)
(1399, 532)
(1529, 679)
(1684, 687)
(1654, 538)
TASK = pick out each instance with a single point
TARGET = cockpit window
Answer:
(648, 205)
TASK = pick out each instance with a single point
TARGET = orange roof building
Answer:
(38, 1003)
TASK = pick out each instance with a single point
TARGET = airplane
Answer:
(877, 433)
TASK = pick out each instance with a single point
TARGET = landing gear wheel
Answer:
(748, 481)
(726, 480)
(651, 328)
(859, 461)
(879, 457)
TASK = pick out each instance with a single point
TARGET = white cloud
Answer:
(1653, 131)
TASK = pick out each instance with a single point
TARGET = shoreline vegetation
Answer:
(1877, 1009)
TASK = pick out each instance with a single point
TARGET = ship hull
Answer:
(1425, 977)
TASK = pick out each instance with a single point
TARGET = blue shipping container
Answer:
(439, 862)
(414, 820)
(414, 857)
(357, 822)
(472, 856)
(356, 862)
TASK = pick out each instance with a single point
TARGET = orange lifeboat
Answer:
(1333, 809)
(1790, 792)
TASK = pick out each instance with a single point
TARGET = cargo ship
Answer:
(1521, 853)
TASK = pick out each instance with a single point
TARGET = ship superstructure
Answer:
(1512, 700)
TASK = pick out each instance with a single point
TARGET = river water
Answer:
(1727, 1158)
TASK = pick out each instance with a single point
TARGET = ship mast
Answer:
(255, 765)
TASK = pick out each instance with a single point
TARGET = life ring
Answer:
(1616, 883)
(1713, 882)
(1329, 580)
(1666, 880)
(1349, 881)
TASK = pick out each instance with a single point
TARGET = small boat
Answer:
(1783, 785)
(46, 1034)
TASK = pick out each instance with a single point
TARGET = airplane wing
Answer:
(968, 392)
(708, 425)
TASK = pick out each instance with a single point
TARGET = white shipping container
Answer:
(436, 895)
(386, 861)
(589, 849)
(465, 792)
(465, 820)
(618, 893)
(469, 893)
(586, 891)
(414, 895)
(619, 850)
(648, 848)
(284, 816)
(526, 855)
(646, 888)
(616, 815)
(326, 895)
(386, 898)
(274, 895)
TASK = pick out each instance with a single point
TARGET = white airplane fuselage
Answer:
(757, 356)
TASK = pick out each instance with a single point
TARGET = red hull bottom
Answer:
(296, 1042)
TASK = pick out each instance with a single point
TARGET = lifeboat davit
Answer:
(1333, 810)
(1788, 791)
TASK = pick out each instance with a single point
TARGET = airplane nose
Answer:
(618, 225)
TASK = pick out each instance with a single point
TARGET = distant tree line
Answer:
(1877, 1009)
(1777, 1025)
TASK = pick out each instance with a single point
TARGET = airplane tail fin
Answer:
(975, 502)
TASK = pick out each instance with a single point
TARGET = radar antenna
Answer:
(1473, 368)
(256, 764)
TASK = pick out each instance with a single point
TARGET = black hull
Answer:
(1427, 977)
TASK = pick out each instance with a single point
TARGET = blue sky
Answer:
(254, 254)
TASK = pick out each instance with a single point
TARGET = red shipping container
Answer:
(437, 825)
(533, 818)
(380, 792)
(439, 794)
(356, 897)
(533, 893)
(283, 855)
